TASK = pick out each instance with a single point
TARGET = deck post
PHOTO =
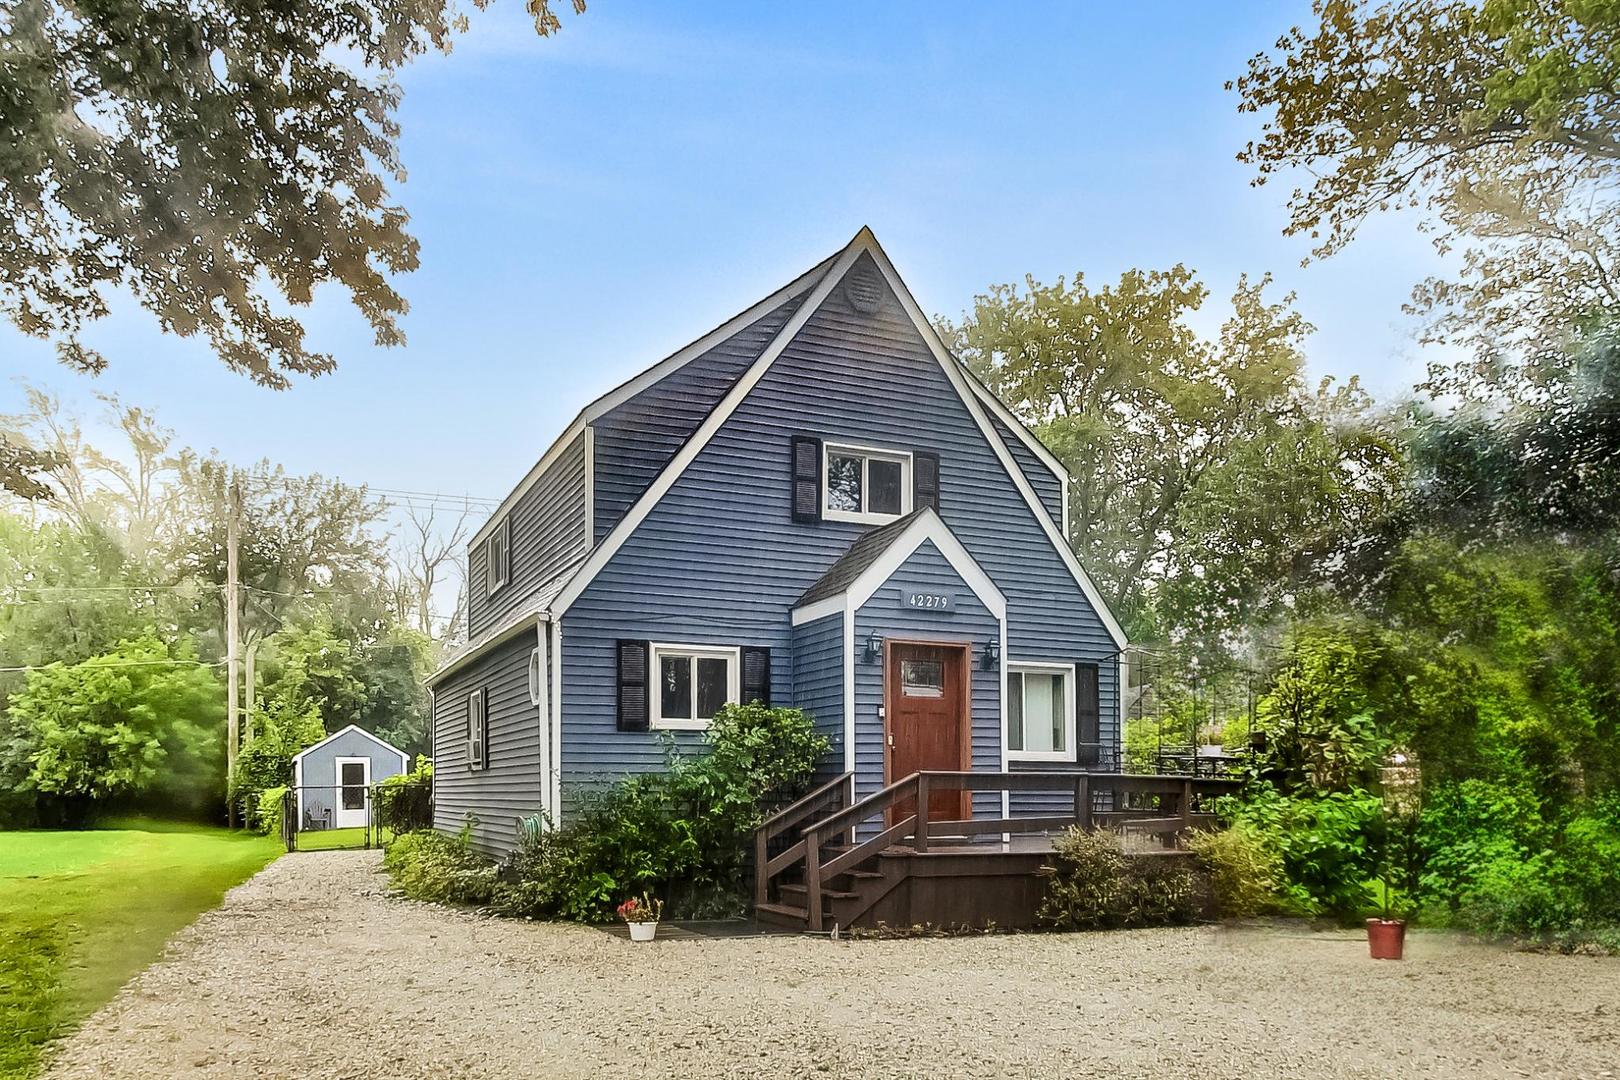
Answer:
(1082, 802)
(812, 878)
(762, 883)
(921, 842)
(1186, 805)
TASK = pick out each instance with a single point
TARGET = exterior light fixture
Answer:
(874, 648)
(992, 655)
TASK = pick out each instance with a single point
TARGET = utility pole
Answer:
(248, 697)
(233, 606)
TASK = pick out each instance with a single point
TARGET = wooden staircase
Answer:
(811, 872)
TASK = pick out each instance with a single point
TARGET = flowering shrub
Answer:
(642, 909)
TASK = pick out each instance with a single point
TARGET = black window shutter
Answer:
(924, 480)
(633, 703)
(1087, 714)
(756, 675)
(806, 478)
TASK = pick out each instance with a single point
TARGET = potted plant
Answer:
(641, 915)
(1402, 784)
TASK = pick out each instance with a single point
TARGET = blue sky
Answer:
(589, 203)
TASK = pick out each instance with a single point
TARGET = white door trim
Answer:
(350, 819)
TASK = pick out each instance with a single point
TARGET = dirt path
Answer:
(310, 970)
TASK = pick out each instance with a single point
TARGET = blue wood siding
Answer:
(548, 531)
(966, 621)
(720, 559)
(508, 788)
(636, 440)
(1047, 487)
(818, 684)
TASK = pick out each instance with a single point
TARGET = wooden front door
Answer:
(926, 721)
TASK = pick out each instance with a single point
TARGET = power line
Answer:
(116, 663)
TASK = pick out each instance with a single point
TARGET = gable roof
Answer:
(961, 380)
(634, 385)
(384, 743)
(851, 564)
(875, 556)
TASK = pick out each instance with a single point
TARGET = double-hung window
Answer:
(692, 682)
(865, 484)
(477, 730)
(1040, 712)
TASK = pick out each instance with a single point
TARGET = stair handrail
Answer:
(796, 811)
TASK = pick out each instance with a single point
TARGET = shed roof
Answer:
(384, 743)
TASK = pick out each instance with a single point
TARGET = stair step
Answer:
(782, 914)
(801, 892)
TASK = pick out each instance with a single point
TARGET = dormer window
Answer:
(498, 557)
(865, 484)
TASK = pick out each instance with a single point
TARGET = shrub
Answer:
(1245, 876)
(685, 833)
(1325, 842)
(430, 866)
(265, 761)
(404, 803)
(1092, 884)
(267, 815)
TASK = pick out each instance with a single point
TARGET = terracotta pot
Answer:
(643, 931)
(1386, 938)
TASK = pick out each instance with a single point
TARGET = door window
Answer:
(354, 785)
(922, 678)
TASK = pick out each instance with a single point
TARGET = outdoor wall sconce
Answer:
(991, 659)
(874, 648)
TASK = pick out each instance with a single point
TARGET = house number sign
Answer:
(933, 601)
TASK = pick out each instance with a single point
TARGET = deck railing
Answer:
(827, 847)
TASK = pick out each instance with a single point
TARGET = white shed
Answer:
(333, 778)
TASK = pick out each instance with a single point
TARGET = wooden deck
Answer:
(828, 861)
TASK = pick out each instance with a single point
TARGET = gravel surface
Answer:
(309, 969)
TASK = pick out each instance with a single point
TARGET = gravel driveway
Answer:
(310, 970)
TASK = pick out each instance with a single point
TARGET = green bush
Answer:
(430, 866)
(267, 816)
(1091, 884)
(684, 834)
(404, 803)
(1325, 842)
(1245, 875)
(265, 761)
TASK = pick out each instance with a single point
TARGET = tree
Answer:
(211, 160)
(427, 548)
(1201, 472)
(141, 720)
(1498, 119)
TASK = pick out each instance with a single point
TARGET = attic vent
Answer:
(864, 290)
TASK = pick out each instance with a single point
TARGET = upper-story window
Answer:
(863, 483)
(498, 557)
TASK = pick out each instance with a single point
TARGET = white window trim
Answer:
(656, 651)
(503, 531)
(866, 452)
(477, 715)
(1043, 667)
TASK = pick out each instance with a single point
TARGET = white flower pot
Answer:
(642, 931)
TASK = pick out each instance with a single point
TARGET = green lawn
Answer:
(332, 839)
(81, 912)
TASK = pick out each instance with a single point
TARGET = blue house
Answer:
(815, 504)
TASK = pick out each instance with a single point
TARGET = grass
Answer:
(81, 912)
(332, 839)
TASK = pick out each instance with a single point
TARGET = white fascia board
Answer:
(962, 381)
(712, 423)
(820, 609)
(475, 649)
(635, 385)
(298, 758)
(1025, 436)
(928, 526)
(849, 692)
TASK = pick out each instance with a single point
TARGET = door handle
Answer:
(891, 740)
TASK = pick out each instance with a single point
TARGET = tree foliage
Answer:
(212, 160)
(1205, 476)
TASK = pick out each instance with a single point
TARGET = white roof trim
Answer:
(960, 380)
(298, 758)
(927, 526)
(1025, 436)
(739, 390)
(636, 384)
(513, 626)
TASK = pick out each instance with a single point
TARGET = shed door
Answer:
(353, 779)
(925, 698)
